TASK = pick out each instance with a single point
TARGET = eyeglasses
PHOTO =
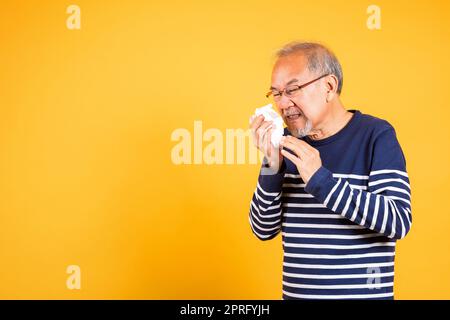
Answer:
(290, 90)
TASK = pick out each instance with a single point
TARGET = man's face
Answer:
(308, 107)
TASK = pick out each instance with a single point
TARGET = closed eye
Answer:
(292, 90)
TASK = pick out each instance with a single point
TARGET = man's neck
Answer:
(337, 118)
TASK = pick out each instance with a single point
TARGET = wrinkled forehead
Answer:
(286, 69)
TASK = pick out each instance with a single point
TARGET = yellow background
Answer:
(86, 176)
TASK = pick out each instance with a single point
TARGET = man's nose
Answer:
(285, 103)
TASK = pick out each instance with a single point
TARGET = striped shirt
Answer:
(339, 231)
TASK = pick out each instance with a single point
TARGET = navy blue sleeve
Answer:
(265, 206)
(385, 206)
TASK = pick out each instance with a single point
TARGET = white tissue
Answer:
(277, 127)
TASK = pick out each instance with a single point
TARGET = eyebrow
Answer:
(290, 82)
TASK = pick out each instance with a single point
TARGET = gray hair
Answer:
(320, 59)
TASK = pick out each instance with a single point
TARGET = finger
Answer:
(291, 157)
(298, 150)
(256, 122)
(260, 128)
(274, 152)
(303, 144)
(263, 128)
(268, 135)
(263, 136)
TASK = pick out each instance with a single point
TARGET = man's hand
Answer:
(261, 136)
(306, 158)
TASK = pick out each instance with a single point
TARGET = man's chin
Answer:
(301, 130)
(295, 126)
(296, 132)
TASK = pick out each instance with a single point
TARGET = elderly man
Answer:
(339, 191)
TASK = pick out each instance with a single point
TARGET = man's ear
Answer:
(332, 86)
(332, 83)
